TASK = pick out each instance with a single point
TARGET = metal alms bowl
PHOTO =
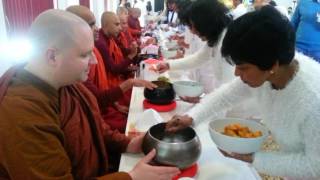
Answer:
(181, 149)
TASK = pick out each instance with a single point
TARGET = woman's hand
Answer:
(162, 67)
(193, 100)
(242, 157)
(178, 122)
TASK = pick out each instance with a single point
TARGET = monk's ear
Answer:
(51, 56)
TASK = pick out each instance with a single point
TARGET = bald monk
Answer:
(50, 124)
(134, 23)
(97, 80)
(122, 11)
(115, 62)
(125, 40)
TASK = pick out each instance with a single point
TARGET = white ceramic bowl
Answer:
(188, 88)
(237, 144)
(168, 54)
(173, 44)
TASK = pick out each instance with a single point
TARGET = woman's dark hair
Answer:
(149, 6)
(209, 18)
(127, 5)
(262, 38)
(273, 3)
(183, 9)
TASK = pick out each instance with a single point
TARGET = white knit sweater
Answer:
(291, 114)
(211, 56)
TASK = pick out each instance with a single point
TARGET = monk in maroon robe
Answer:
(50, 125)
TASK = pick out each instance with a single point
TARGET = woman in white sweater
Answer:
(207, 19)
(287, 88)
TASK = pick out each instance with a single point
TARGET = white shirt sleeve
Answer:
(192, 61)
(222, 99)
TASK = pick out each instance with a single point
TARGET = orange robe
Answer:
(50, 134)
(134, 27)
(97, 83)
(124, 40)
(116, 64)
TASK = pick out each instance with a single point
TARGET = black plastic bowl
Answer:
(163, 94)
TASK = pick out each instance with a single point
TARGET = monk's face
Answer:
(75, 59)
(113, 26)
(124, 22)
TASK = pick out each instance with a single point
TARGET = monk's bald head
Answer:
(107, 18)
(56, 28)
(63, 44)
(84, 13)
(110, 23)
(135, 12)
(122, 11)
(124, 21)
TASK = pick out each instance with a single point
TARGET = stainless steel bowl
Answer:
(181, 149)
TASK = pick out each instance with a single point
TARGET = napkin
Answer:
(147, 119)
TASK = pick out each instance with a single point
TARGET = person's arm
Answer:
(302, 164)
(121, 68)
(114, 140)
(222, 99)
(295, 19)
(192, 61)
(104, 97)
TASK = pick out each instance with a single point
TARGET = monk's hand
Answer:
(133, 50)
(162, 67)
(133, 67)
(193, 100)
(242, 157)
(134, 145)
(178, 122)
(143, 83)
(121, 108)
(143, 170)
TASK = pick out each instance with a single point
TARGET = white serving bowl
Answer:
(168, 54)
(188, 88)
(237, 144)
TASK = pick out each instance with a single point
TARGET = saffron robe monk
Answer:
(51, 126)
(97, 80)
(134, 23)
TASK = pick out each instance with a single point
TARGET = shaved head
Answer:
(110, 24)
(83, 12)
(124, 22)
(122, 11)
(63, 43)
(107, 17)
(55, 28)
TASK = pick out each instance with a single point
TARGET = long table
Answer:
(212, 164)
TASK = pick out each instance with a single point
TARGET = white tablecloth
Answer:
(212, 164)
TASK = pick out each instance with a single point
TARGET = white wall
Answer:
(285, 3)
(63, 4)
(98, 7)
(3, 31)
